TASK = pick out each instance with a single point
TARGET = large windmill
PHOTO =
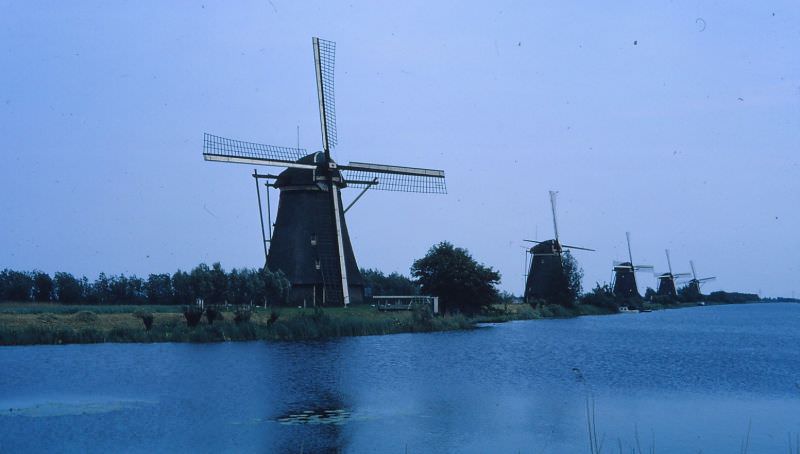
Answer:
(624, 281)
(546, 271)
(695, 283)
(666, 281)
(310, 243)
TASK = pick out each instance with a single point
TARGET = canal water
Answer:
(704, 379)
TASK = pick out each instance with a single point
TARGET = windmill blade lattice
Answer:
(220, 146)
(326, 55)
(394, 178)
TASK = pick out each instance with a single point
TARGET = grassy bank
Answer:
(37, 323)
(27, 324)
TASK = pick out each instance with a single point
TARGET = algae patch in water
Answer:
(49, 409)
(312, 417)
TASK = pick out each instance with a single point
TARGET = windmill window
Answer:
(316, 264)
(314, 241)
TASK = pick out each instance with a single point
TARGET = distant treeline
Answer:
(731, 297)
(213, 284)
(781, 299)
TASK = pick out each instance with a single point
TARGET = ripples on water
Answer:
(683, 380)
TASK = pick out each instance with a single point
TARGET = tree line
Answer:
(210, 283)
(449, 272)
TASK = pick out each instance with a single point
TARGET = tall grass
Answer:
(84, 326)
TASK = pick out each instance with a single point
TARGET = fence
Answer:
(405, 303)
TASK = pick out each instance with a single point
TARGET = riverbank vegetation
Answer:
(209, 304)
(30, 323)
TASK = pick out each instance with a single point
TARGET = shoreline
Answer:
(55, 324)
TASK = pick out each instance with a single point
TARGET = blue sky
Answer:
(678, 121)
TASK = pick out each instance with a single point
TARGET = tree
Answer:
(567, 285)
(219, 283)
(461, 283)
(182, 288)
(200, 278)
(42, 287)
(100, 291)
(15, 286)
(68, 289)
(393, 284)
(649, 294)
(600, 296)
(158, 289)
(276, 286)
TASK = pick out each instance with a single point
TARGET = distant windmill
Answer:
(624, 281)
(696, 282)
(310, 243)
(547, 265)
(666, 281)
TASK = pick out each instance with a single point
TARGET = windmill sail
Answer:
(394, 178)
(324, 59)
(217, 148)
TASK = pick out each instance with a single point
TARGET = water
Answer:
(704, 378)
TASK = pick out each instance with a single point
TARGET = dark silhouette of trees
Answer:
(158, 289)
(42, 287)
(600, 296)
(461, 283)
(68, 289)
(15, 286)
(379, 283)
(243, 286)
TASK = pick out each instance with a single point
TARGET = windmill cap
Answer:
(305, 177)
(545, 247)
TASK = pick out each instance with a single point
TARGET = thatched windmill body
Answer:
(546, 274)
(310, 243)
(624, 278)
(666, 281)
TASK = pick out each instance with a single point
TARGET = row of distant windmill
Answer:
(310, 243)
(547, 262)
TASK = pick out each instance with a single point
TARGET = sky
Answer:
(677, 121)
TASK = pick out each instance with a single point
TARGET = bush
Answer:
(146, 318)
(242, 315)
(600, 296)
(193, 314)
(212, 314)
(422, 316)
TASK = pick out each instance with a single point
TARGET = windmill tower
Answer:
(666, 281)
(310, 242)
(546, 272)
(624, 280)
(695, 282)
